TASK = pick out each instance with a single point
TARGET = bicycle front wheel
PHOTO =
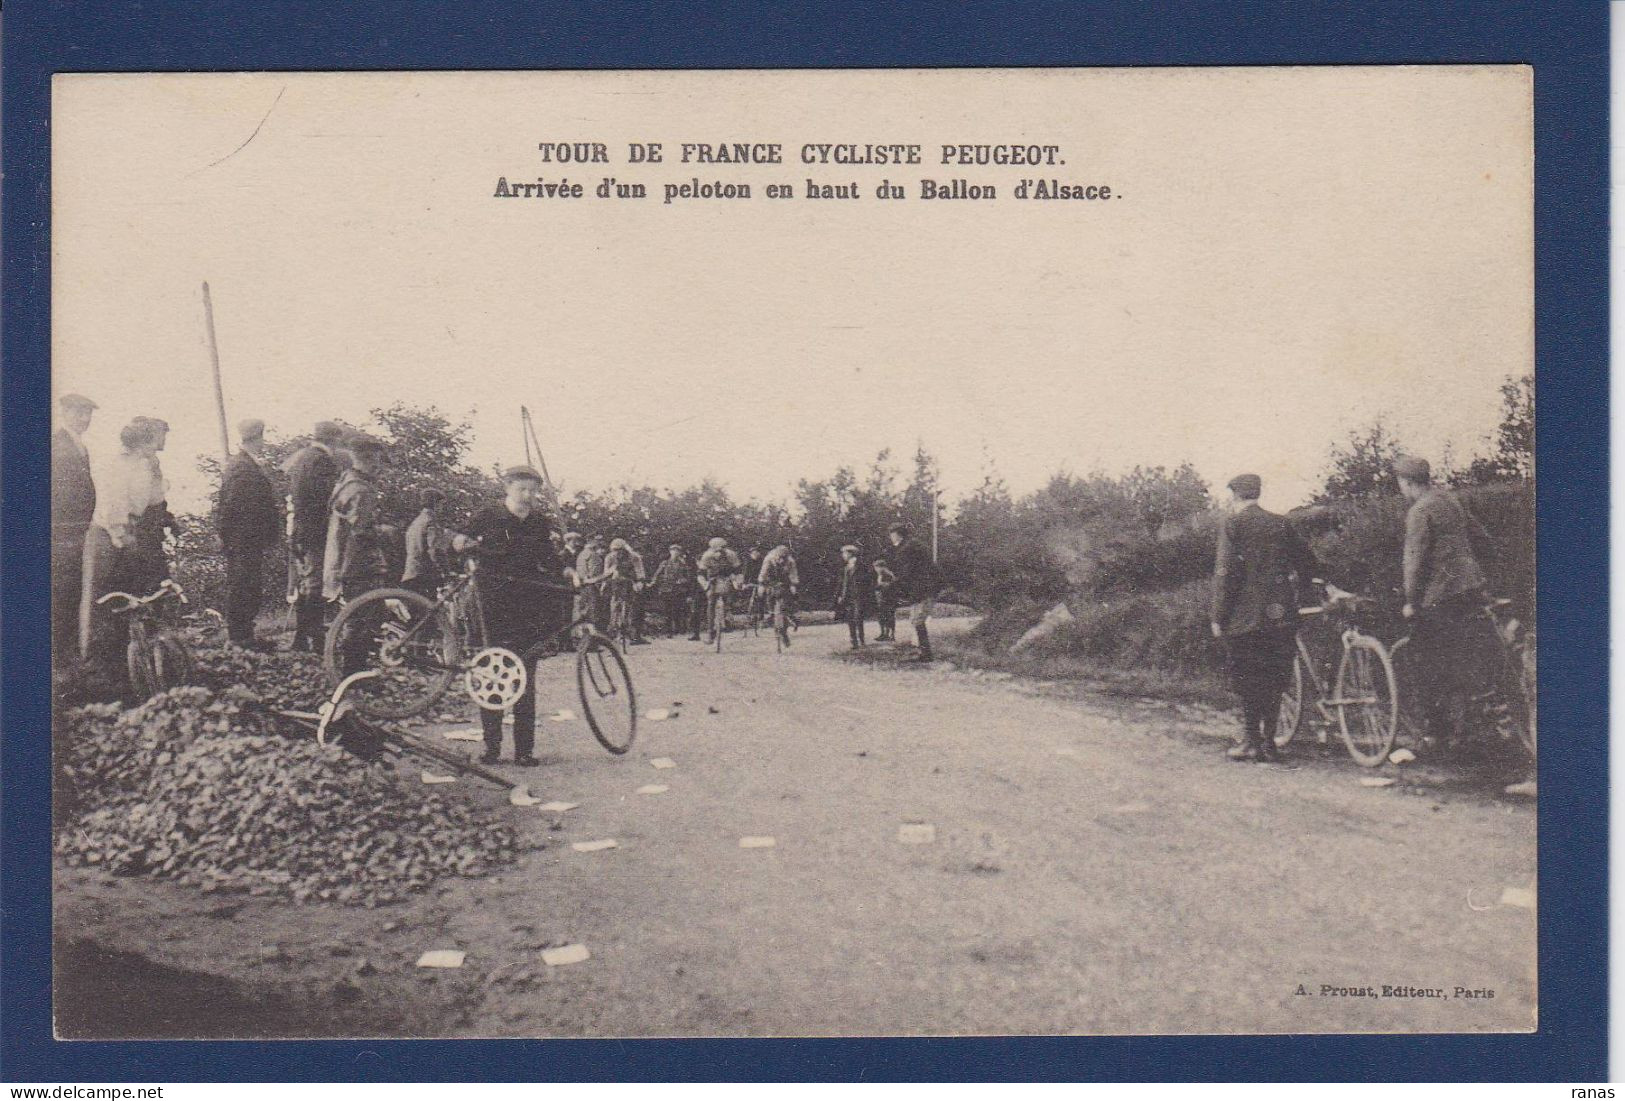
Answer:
(1290, 715)
(1367, 701)
(403, 638)
(607, 699)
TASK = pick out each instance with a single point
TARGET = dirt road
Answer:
(1091, 867)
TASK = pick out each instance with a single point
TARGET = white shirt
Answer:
(129, 484)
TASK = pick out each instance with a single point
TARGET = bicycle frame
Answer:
(449, 596)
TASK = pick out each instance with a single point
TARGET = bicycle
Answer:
(781, 594)
(337, 722)
(717, 592)
(417, 647)
(1364, 699)
(1508, 705)
(156, 660)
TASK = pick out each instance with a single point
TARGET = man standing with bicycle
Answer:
(1255, 610)
(1452, 638)
(520, 592)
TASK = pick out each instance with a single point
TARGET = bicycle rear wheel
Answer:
(381, 632)
(607, 699)
(172, 662)
(1290, 716)
(1367, 702)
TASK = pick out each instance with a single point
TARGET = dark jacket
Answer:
(1443, 547)
(675, 576)
(1260, 556)
(250, 520)
(355, 552)
(73, 490)
(916, 573)
(312, 474)
(855, 585)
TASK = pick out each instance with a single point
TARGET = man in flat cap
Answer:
(1453, 643)
(1255, 610)
(853, 597)
(354, 560)
(520, 580)
(73, 504)
(674, 582)
(250, 524)
(312, 472)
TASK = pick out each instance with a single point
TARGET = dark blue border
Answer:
(1566, 43)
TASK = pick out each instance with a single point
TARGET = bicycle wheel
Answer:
(172, 662)
(381, 632)
(607, 698)
(143, 670)
(1290, 716)
(1367, 703)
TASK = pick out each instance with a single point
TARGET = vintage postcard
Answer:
(794, 553)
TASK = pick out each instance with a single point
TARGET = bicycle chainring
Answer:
(496, 678)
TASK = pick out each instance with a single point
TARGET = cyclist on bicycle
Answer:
(779, 581)
(717, 568)
(517, 559)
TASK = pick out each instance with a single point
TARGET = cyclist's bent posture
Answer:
(778, 582)
(1452, 640)
(516, 552)
(717, 568)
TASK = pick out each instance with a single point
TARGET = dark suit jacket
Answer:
(250, 519)
(855, 586)
(1443, 546)
(916, 573)
(1259, 556)
(312, 474)
(73, 491)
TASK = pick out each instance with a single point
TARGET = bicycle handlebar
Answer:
(166, 589)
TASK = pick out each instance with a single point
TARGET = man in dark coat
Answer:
(1453, 643)
(1261, 559)
(917, 583)
(312, 472)
(73, 504)
(250, 523)
(520, 579)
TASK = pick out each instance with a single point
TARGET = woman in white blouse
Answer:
(124, 546)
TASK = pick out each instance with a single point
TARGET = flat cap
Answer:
(849, 548)
(569, 535)
(327, 432)
(675, 546)
(251, 429)
(75, 401)
(1247, 486)
(363, 444)
(717, 542)
(1413, 469)
(516, 473)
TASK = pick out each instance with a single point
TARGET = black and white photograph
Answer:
(793, 553)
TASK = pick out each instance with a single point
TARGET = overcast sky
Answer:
(1291, 253)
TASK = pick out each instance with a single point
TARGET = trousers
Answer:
(245, 591)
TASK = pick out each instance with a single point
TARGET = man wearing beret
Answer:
(312, 472)
(73, 505)
(250, 523)
(520, 578)
(1451, 638)
(1255, 610)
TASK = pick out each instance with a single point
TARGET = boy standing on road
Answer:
(673, 581)
(885, 602)
(852, 601)
(517, 562)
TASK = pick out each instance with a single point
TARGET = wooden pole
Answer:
(214, 359)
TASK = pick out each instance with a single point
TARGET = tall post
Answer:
(214, 359)
(936, 507)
